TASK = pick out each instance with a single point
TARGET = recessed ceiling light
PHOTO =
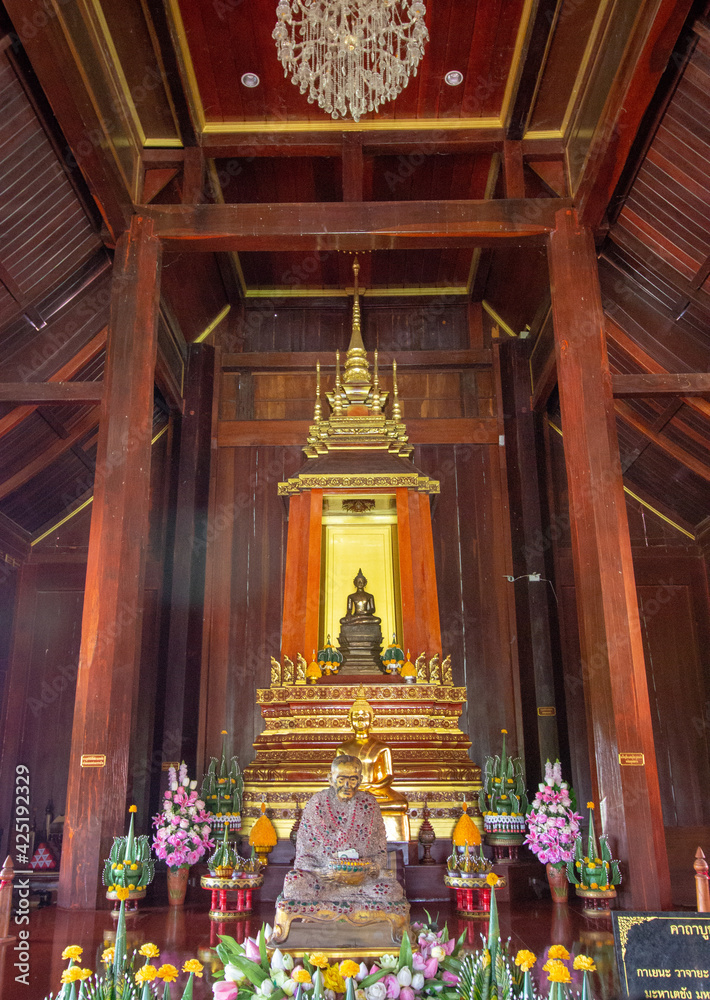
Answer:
(453, 78)
(251, 80)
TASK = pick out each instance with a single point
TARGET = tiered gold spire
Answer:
(358, 420)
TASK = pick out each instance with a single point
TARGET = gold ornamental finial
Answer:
(376, 401)
(317, 412)
(357, 368)
(396, 409)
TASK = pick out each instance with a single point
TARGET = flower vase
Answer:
(177, 884)
(557, 880)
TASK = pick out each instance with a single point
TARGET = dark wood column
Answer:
(614, 671)
(528, 544)
(178, 739)
(113, 601)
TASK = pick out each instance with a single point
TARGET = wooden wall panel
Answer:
(470, 566)
(324, 325)
(246, 563)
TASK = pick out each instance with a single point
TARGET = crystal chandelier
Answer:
(350, 55)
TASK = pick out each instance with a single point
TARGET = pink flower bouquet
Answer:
(182, 829)
(552, 823)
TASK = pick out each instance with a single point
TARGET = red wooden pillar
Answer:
(613, 663)
(109, 658)
(299, 633)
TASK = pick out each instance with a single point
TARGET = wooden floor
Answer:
(186, 932)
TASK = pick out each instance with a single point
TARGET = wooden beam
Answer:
(353, 226)
(109, 657)
(666, 384)
(649, 49)
(306, 360)
(536, 51)
(665, 444)
(394, 142)
(615, 684)
(513, 169)
(353, 167)
(67, 371)
(51, 393)
(657, 426)
(286, 433)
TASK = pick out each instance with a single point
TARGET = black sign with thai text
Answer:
(663, 956)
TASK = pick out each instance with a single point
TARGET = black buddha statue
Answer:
(360, 636)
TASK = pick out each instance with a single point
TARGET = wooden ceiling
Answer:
(118, 103)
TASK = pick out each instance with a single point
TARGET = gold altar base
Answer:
(305, 724)
(339, 926)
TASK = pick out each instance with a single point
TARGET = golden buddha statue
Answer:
(377, 772)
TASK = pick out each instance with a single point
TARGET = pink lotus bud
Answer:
(449, 977)
(431, 968)
(392, 986)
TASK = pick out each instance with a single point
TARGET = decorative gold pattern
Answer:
(408, 480)
(625, 924)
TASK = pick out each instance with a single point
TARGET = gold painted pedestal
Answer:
(304, 725)
(346, 928)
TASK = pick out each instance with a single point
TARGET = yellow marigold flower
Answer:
(134, 867)
(193, 965)
(590, 805)
(560, 974)
(168, 973)
(492, 879)
(85, 973)
(146, 974)
(133, 809)
(525, 960)
(349, 969)
(585, 963)
(319, 960)
(122, 892)
(504, 731)
(332, 980)
(131, 886)
(107, 955)
(302, 976)
(595, 885)
(149, 950)
(71, 975)
(73, 951)
(558, 951)
(551, 964)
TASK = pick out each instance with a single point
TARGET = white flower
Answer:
(360, 994)
(233, 974)
(268, 931)
(289, 987)
(388, 962)
(277, 960)
(404, 976)
(329, 994)
(362, 973)
(418, 981)
(288, 962)
(378, 991)
(193, 784)
(173, 786)
(266, 988)
(279, 977)
(438, 953)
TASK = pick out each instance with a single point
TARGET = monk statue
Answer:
(376, 760)
(360, 636)
(340, 872)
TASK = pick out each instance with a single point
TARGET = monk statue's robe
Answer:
(328, 827)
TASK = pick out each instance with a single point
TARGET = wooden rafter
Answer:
(630, 416)
(49, 455)
(51, 393)
(645, 361)
(660, 384)
(87, 353)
